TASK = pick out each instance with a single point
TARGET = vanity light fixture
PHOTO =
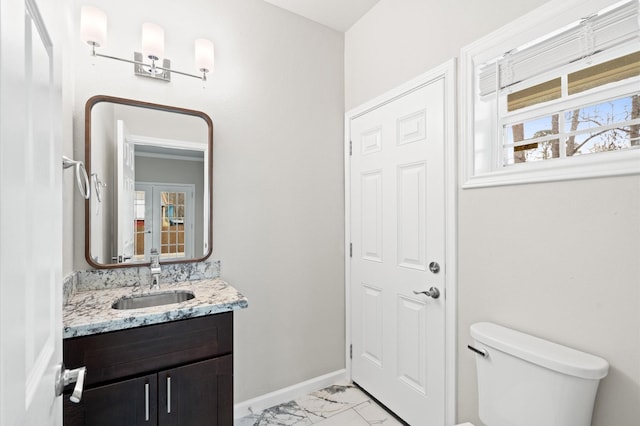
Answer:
(93, 31)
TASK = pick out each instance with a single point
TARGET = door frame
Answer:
(446, 71)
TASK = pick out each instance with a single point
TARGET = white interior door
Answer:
(126, 178)
(30, 219)
(397, 227)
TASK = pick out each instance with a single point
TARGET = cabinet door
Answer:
(197, 394)
(130, 402)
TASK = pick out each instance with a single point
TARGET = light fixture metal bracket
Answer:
(158, 73)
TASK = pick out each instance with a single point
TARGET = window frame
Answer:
(482, 153)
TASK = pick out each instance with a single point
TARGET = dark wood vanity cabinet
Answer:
(175, 373)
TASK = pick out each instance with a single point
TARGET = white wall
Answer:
(398, 40)
(276, 99)
(559, 260)
(162, 124)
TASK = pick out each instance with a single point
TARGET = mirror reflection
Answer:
(150, 175)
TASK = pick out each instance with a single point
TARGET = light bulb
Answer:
(93, 26)
(152, 41)
(204, 55)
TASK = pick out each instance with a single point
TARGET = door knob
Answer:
(65, 377)
(432, 292)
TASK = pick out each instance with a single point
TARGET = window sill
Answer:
(590, 166)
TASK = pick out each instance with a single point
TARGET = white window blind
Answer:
(605, 30)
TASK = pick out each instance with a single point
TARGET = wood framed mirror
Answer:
(151, 183)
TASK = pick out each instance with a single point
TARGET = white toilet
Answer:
(528, 381)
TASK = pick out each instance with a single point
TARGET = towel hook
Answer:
(80, 172)
(98, 184)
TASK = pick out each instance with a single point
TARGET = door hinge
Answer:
(351, 351)
(350, 148)
(350, 249)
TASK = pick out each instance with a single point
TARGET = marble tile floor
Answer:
(337, 405)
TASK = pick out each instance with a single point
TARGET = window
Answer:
(557, 103)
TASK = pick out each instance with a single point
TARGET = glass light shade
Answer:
(204, 55)
(152, 41)
(93, 26)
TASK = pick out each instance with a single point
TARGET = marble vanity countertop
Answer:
(90, 312)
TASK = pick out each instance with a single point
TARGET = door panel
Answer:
(412, 216)
(30, 218)
(372, 325)
(171, 203)
(371, 221)
(397, 229)
(412, 342)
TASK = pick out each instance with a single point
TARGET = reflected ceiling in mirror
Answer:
(150, 168)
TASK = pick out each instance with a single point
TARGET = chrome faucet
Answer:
(155, 269)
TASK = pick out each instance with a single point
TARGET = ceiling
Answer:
(337, 14)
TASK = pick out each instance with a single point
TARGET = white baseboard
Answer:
(280, 396)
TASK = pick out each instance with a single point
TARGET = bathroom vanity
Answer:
(161, 365)
(153, 356)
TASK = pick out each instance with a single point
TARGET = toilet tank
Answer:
(527, 381)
